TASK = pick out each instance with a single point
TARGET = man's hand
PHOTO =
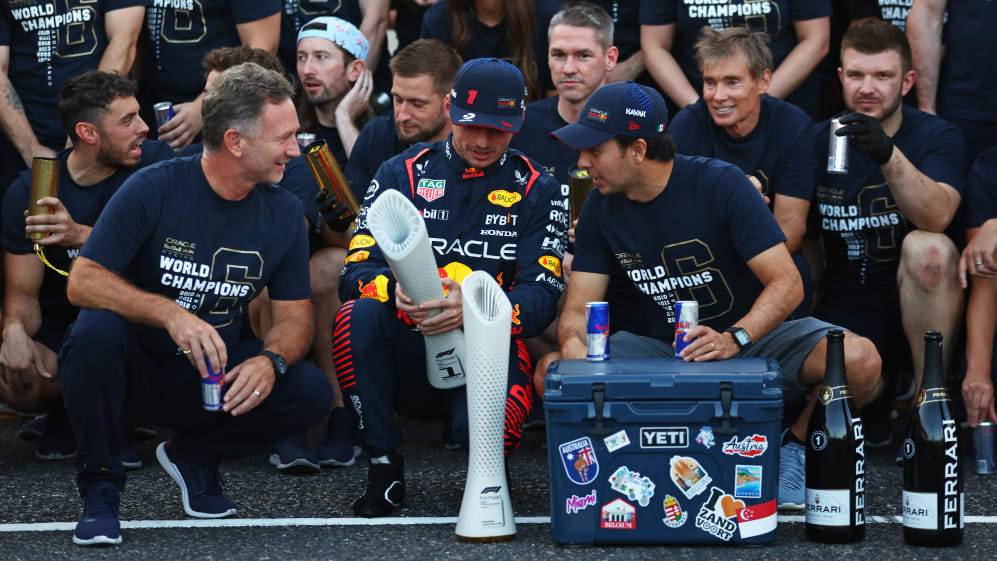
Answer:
(38, 151)
(451, 314)
(707, 344)
(334, 212)
(184, 126)
(197, 338)
(978, 257)
(978, 393)
(252, 377)
(868, 136)
(60, 226)
(19, 361)
(757, 184)
(357, 100)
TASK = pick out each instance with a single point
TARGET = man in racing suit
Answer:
(486, 207)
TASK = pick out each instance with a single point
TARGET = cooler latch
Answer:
(726, 396)
(598, 400)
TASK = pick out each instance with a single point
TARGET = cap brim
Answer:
(511, 122)
(579, 136)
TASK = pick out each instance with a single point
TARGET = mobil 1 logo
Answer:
(664, 437)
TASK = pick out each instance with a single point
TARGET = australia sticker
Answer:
(632, 484)
(674, 515)
(616, 440)
(618, 515)
(748, 447)
(579, 460)
(748, 482)
(706, 437)
(689, 476)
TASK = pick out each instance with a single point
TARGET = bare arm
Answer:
(924, 31)
(571, 329)
(351, 107)
(92, 286)
(22, 318)
(656, 43)
(929, 204)
(13, 120)
(783, 291)
(260, 34)
(813, 38)
(628, 69)
(791, 214)
(374, 26)
(977, 388)
(122, 28)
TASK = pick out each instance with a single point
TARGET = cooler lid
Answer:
(647, 379)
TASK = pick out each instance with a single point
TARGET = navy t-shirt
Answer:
(167, 232)
(691, 242)
(773, 17)
(493, 41)
(181, 32)
(84, 204)
(860, 224)
(378, 142)
(981, 189)
(967, 79)
(299, 12)
(51, 42)
(626, 24)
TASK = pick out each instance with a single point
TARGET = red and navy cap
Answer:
(488, 92)
(620, 108)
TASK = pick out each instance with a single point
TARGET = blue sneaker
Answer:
(200, 486)
(33, 429)
(338, 448)
(294, 456)
(99, 523)
(792, 476)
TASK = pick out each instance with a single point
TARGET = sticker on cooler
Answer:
(756, 520)
(748, 447)
(828, 507)
(920, 510)
(576, 504)
(579, 460)
(688, 476)
(618, 515)
(632, 484)
(748, 482)
(674, 515)
(716, 513)
(616, 441)
(706, 437)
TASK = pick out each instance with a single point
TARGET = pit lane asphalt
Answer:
(32, 491)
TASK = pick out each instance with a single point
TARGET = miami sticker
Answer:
(689, 476)
(579, 460)
(632, 484)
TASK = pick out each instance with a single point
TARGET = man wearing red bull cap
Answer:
(486, 207)
(663, 228)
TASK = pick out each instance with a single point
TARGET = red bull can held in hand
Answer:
(597, 318)
(212, 387)
(686, 318)
(164, 112)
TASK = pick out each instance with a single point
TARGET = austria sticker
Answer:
(757, 519)
(748, 447)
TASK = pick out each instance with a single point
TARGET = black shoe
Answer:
(33, 429)
(385, 488)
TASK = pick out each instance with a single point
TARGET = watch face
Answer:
(281, 365)
(742, 337)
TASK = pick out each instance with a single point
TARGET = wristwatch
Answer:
(741, 336)
(279, 364)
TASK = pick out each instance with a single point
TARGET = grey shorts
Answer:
(789, 344)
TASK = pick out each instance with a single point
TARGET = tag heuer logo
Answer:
(431, 189)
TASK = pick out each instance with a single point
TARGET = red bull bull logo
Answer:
(377, 289)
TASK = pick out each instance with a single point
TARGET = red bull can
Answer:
(597, 318)
(164, 112)
(212, 387)
(983, 447)
(686, 318)
(837, 152)
(305, 139)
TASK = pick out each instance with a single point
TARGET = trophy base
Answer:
(487, 539)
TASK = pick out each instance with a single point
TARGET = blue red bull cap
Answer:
(488, 92)
(620, 108)
(338, 31)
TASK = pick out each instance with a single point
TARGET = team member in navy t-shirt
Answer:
(979, 261)
(166, 275)
(662, 228)
(881, 223)
(43, 44)
(737, 122)
(798, 29)
(180, 33)
(100, 112)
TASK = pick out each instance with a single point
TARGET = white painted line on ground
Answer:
(388, 521)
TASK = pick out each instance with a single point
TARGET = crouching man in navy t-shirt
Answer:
(165, 277)
(662, 228)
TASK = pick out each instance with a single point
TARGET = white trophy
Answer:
(400, 231)
(486, 510)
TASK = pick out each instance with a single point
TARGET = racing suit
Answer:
(508, 219)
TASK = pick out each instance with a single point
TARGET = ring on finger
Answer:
(257, 393)
(713, 346)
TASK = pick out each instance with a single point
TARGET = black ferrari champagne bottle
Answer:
(835, 456)
(932, 499)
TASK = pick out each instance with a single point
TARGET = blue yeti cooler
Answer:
(662, 451)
